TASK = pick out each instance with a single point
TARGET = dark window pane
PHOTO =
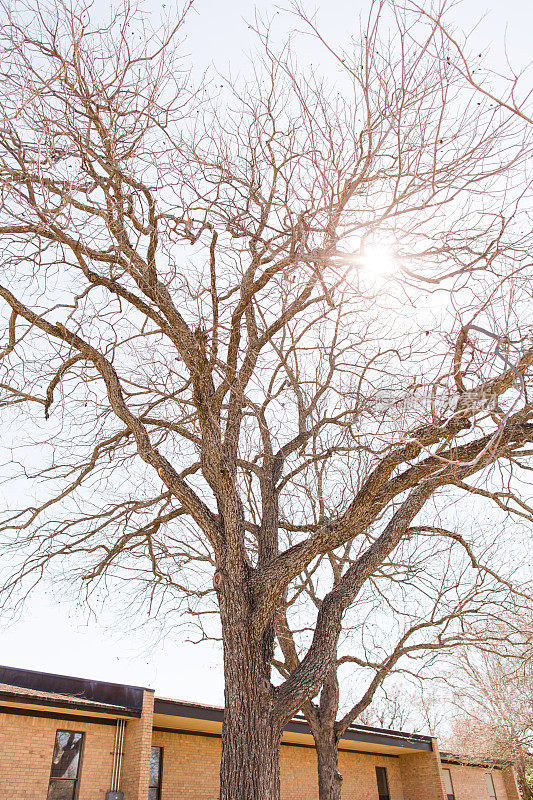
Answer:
(153, 793)
(61, 789)
(383, 784)
(66, 758)
(447, 775)
(490, 786)
(155, 767)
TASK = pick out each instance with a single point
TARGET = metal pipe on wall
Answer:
(114, 793)
(120, 752)
(115, 750)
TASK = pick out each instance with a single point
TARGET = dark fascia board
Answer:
(472, 761)
(115, 694)
(370, 736)
(389, 731)
(178, 708)
(31, 700)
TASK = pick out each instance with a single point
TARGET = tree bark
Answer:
(251, 734)
(249, 766)
(322, 723)
(329, 776)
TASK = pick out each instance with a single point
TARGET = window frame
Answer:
(160, 781)
(493, 795)
(452, 795)
(383, 771)
(80, 762)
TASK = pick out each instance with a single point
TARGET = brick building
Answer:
(64, 738)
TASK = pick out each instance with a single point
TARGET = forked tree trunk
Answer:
(251, 735)
(329, 776)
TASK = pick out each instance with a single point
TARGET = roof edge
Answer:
(474, 761)
(87, 705)
(362, 733)
(117, 694)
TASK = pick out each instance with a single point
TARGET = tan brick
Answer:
(191, 765)
(26, 748)
(469, 782)
(422, 775)
(137, 743)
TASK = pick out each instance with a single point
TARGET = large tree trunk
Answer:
(329, 776)
(249, 767)
(251, 736)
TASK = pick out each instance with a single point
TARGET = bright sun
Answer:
(378, 260)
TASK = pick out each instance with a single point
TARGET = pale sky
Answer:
(48, 635)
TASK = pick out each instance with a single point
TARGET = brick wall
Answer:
(422, 775)
(136, 760)
(299, 780)
(299, 775)
(359, 773)
(511, 785)
(191, 770)
(191, 765)
(469, 783)
(26, 749)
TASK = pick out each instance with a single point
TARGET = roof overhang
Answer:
(471, 761)
(178, 716)
(102, 693)
(71, 713)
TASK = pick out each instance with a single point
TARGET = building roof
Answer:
(473, 761)
(10, 693)
(31, 688)
(184, 716)
(64, 691)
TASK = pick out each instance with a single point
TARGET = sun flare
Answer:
(378, 260)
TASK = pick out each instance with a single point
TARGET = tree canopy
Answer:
(245, 331)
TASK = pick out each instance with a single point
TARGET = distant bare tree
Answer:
(494, 698)
(418, 710)
(203, 301)
(391, 710)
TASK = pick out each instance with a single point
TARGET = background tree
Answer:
(493, 700)
(398, 707)
(197, 312)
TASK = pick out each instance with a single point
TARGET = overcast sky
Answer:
(55, 636)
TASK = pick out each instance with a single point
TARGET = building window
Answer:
(156, 763)
(448, 785)
(383, 783)
(65, 771)
(490, 785)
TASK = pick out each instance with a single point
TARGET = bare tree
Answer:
(494, 698)
(421, 604)
(400, 707)
(195, 318)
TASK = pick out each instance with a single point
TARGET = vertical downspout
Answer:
(117, 755)
(115, 749)
(120, 752)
